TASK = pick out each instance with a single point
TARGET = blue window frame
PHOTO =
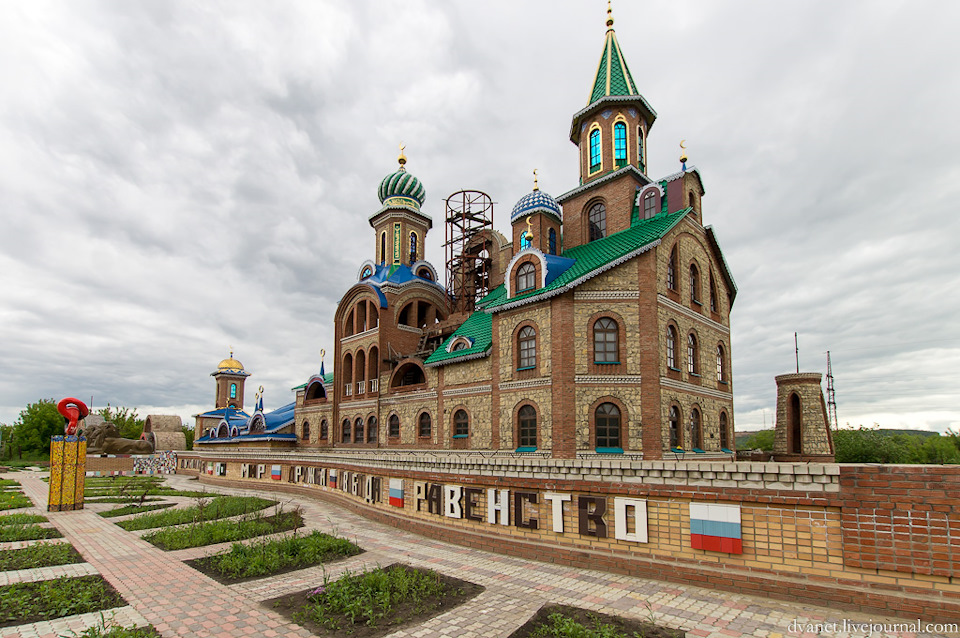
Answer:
(553, 241)
(233, 390)
(640, 162)
(594, 149)
(620, 144)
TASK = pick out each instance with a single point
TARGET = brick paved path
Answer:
(180, 601)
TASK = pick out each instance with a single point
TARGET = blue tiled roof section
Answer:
(536, 202)
(396, 274)
(279, 418)
(232, 413)
(556, 266)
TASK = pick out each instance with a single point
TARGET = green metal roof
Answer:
(613, 76)
(599, 256)
(479, 328)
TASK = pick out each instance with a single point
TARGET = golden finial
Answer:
(322, 353)
(536, 186)
(683, 154)
(402, 158)
(609, 15)
(529, 234)
(231, 352)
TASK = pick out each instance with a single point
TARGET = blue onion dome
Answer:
(401, 187)
(536, 202)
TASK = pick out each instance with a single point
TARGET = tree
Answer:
(126, 420)
(188, 435)
(35, 425)
(761, 440)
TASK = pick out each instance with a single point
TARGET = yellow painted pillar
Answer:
(68, 468)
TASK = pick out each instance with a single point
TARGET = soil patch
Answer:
(624, 627)
(456, 592)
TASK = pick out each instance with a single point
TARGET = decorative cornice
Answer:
(359, 335)
(673, 305)
(605, 295)
(347, 405)
(476, 389)
(409, 396)
(526, 383)
(629, 168)
(607, 378)
(693, 388)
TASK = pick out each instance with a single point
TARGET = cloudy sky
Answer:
(177, 178)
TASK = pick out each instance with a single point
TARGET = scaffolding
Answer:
(469, 226)
(831, 394)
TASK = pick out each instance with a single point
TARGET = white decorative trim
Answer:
(526, 383)
(477, 389)
(417, 265)
(360, 335)
(576, 282)
(673, 305)
(400, 326)
(535, 252)
(393, 399)
(373, 270)
(605, 295)
(607, 378)
(683, 386)
(460, 339)
(467, 357)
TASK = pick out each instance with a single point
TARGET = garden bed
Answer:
(135, 509)
(374, 603)
(12, 500)
(214, 532)
(10, 533)
(271, 557)
(39, 555)
(22, 519)
(23, 603)
(219, 507)
(119, 632)
(561, 621)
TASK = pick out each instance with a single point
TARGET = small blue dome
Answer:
(536, 202)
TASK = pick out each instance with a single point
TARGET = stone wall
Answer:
(815, 436)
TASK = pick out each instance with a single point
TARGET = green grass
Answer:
(118, 632)
(371, 598)
(120, 499)
(205, 510)
(39, 555)
(22, 519)
(134, 509)
(5, 483)
(29, 602)
(14, 500)
(559, 626)
(27, 533)
(213, 532)
(272, 556)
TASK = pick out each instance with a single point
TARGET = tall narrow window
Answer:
(649, 205)
(724, 436)
(424, 425)
(305, 434)
(345, 431)
(672, 270)
(413, 247)
(696, 438)
(713, 294)
(607, 422)
(383, 247)
(620, 144)
(527, 427)
(461, 423)
(527, 347)
(721, 373)
(393, 426)
(553, 241)
(693, 366)
(671, 347)
(605, 337)
(694, 284)
(233, 390)
(675, 439)
(641, 163)
(324, 430)
(372, 430)
(795, 434)
(358, 430)
(594, 150)
(526, 277)
(597, 219)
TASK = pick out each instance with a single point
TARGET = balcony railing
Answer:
(348, 389)
(374, 385)
(361, 386)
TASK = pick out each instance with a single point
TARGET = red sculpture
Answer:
(72, 410)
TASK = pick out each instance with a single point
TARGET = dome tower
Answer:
(537, 219)
(399, 226)
(230, 377)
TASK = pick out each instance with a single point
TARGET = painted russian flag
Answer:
(275, 472)
(396, 492)
(715, 528)
(332, 479)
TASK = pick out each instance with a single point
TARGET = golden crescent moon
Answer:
(530, 224)
(322, 353)
(681, 143)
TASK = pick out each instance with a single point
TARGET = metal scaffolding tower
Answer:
(831, 395)
(468, 215)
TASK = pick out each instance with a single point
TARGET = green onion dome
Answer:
(401, 187)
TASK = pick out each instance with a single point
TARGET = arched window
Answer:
(424, 425)
(696, 438)
(408, 374)
(345, 431)
(305, 432)
(233, 390)
(424, 273)
(461, 423)
(358, 430)
(347, 375)
(721, 373)
(676, 439)
(607, 424)
(796, 435)
(724, 436)
(393, 424)
(649, 204)
(526, 277)
(527, 427)
(672, 270)
(694, 284)
(713, 294)
(527, 347)
(605, 341)
(620, 144)
(597, 220)
(383, 247)
(413, 247)
(324, 430)
(671, 347)
(372, 430)
(693, 354)
(641, 164)
(552, 241)
(460, 345)
(594, 150)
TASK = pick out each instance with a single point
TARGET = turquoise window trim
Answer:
(461, 436)
(620, 144)
(609, 450)
(595, 160)
(527, 368)
(606, 363)
(526, 449)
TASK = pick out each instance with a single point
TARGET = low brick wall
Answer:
(800, 524)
